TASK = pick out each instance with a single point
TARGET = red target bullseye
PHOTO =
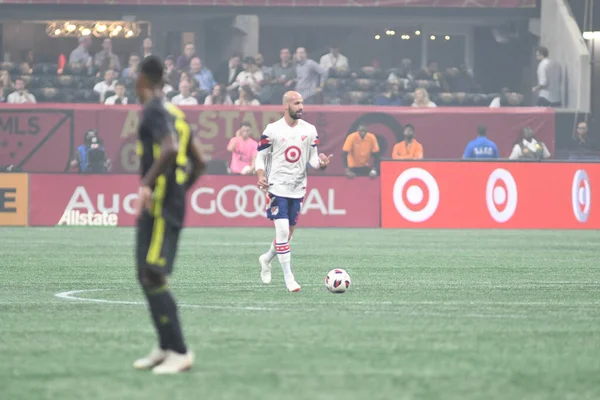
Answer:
(292, 154)
(500, 195)
(415, 194)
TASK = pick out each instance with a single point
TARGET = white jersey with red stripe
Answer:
(284, 152)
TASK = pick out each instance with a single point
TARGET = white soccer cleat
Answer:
(174, 363)
(155, 357)
(265, 269)
(293, 286)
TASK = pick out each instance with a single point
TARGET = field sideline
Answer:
(431, 314)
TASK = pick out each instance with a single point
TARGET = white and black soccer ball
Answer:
(337, 281)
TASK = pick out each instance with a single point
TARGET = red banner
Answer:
(43, 139)
(489, 195)
(214, 201)
(297, 3)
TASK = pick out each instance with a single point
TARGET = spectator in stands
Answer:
(260, 64)
(203, 75)
(6, 82)
(358, 149)
(391, 97)
(81, 54)
(228, 72)
(250, 77)
(243, 151)
(481, 147)
(529, 148)
(461, 80)
(218, 96)
(264, 95)
(20, 95)
(28, 62)
(246, 98)
(549, 80)
(422, 99)
(147, 47)
(406, 69)
(106, 59)
(170, 71)
(186, 76)
(310, 77)
(184, 98)
(119, 97)
(107, 84)
(409, 148)
(334, 60)
(432, 73)
(184, 60)
(167, 87)
(582, 142)
(282, 78)
(130, 73)
(497, 101)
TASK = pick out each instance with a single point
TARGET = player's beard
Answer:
(296, 115)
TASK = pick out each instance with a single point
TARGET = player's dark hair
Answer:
(481, 130)
(409, 126)
(152, 68)
(543, 51)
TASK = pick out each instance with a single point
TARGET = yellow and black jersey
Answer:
(160, 119)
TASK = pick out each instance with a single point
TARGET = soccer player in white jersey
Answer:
(285, 148)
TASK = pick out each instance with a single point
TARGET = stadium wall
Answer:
(563, 38)
(44, 138)
(409, 194)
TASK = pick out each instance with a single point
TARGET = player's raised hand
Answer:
(144, 200)
(324, 160)
(262, 183)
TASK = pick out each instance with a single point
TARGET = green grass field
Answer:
(430, 315)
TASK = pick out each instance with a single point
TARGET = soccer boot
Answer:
(265, 269)
(174, 363)
(155, 357)
(293, 286)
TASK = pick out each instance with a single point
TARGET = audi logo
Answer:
(248, 201)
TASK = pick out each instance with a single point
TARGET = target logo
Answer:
(581, 195)
(292, 154)
(501, 195)
(416, 195)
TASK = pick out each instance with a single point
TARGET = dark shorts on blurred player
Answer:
(284, 208)
(156, 244)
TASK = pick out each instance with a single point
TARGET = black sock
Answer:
(164, 312)
(162, 340)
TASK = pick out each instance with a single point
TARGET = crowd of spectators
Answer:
(108, 78)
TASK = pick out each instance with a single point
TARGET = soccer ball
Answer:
(337, 281)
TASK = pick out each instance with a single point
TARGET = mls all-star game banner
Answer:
(490, 195)
(109, 200)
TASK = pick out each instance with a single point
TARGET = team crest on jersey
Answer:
(303, 138)
(274, 210)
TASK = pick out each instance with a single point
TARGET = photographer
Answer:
(91, 157)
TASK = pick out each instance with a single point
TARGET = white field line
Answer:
(72, 295)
